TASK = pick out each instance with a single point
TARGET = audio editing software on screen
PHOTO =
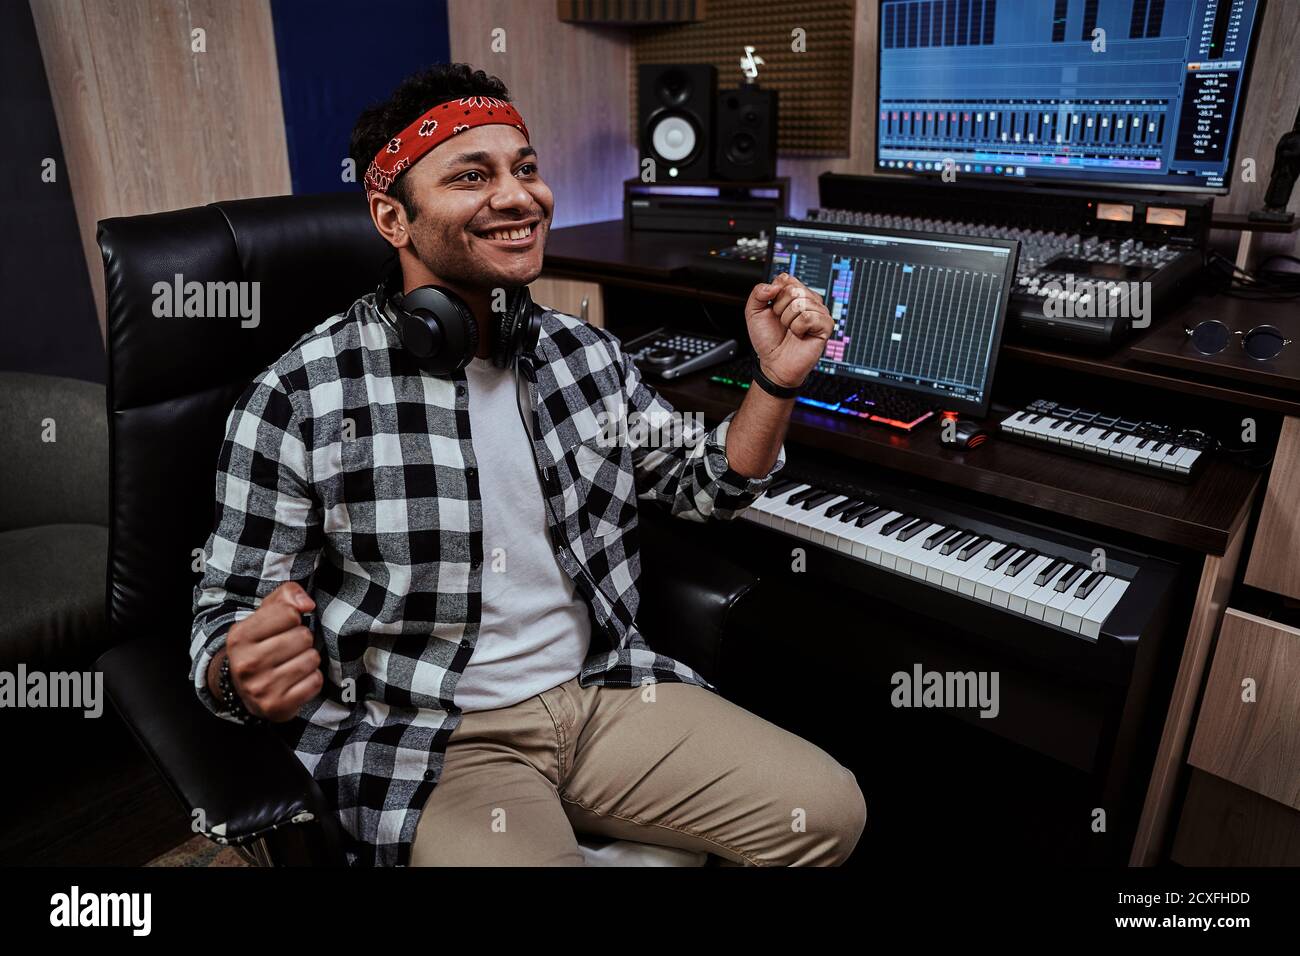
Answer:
(1032, 89)
(918, 313)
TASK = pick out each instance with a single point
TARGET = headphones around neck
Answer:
(437, 328)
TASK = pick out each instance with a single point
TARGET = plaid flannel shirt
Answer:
(349, 470)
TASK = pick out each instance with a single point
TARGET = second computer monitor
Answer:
(916, 311)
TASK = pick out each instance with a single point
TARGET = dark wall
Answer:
(336, 57)
(47, 311)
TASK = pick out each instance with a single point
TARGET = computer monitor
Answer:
(1132, 93)
(920, 312)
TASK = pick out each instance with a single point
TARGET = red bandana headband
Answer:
(438, 125)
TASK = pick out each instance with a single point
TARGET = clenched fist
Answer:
(274, 665)
(789, 326)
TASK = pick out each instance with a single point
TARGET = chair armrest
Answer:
(692, 597)
(246, 780)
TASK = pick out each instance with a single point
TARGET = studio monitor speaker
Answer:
(745, 134)
(675, 105)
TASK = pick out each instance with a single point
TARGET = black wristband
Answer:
(230, 697)
(769, 386)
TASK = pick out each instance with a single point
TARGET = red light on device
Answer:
(951, 416)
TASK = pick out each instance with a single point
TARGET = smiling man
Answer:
(436, 608)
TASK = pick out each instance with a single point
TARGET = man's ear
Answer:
(390, 219)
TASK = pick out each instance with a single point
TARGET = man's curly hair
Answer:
(382, 121)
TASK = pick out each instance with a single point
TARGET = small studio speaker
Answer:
(675, 114)
(745, 134)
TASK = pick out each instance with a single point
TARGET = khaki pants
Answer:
(670, 764)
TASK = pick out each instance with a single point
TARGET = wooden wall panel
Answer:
(148, 125)
(570, 82)
(568, 295)
(811, 83)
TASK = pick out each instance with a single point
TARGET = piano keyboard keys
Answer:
(1118, 441)
(977, 566)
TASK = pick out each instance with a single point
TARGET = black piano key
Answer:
(873, 513)
(856, 510)
(1049, 572)
(777, 488)
(843, 506)
(911, 531)
(1019, 564)
(1174, 450)
(1056, 424)
(902, 521)
(1069, 577)
(938, 538)
(1088, 584)
(952, 544)
(807, 493)
(820, 498)
(1001, 558)
(974, 548)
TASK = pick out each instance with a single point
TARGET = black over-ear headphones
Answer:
(438, 329)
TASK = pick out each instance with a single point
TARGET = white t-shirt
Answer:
(535, 630)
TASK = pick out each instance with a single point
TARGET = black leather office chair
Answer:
(172, 383)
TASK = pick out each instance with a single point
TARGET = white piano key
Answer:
(915, 554)
(939, 565)
(1020, 585)
(1124, 449)
(890, 548)
(867, 545)
(1185, 462)
(1056, 606)
(760, 512)
(1095, 616)
(773, 509)
(1005, 584)
(849, 536)
(1036, 601)
(786, 517)
(972, 570)
(835, 532)
(815, 520)
(1072, 619)
(985, 584)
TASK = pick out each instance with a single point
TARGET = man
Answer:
(485, 691)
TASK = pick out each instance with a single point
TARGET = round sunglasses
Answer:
(1261, 343)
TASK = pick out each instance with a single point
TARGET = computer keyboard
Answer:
(842, 395)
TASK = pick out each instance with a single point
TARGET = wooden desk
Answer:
(1200, 516)
(1209, 517)
(605, 252)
